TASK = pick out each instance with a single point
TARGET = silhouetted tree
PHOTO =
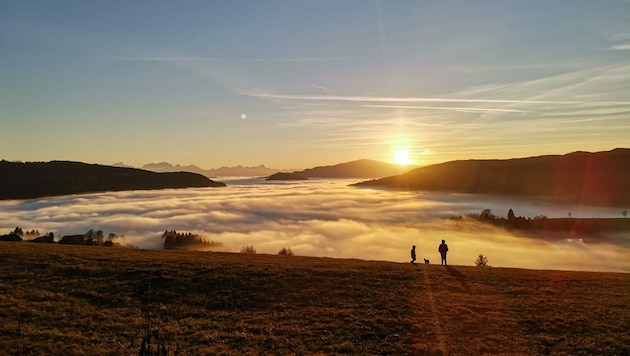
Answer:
(486, 214)
(285, 251)
(624, 213)
(481, 260)
(248, 249)
(175, 240)
(31, 234)
(99, 237)
(18, 231)
(89, 237)
(511, 215)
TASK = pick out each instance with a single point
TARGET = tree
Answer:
(486, 214)
(286, 251)
(99, 236)
(481, 260)
(511, 215)
(624, 213)
(248, 249)
(18, 231)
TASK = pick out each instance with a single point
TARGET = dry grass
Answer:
(75, 300)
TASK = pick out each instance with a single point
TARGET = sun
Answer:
(401, 156)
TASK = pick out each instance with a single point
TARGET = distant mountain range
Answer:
(363, 168)
(39, 179)
(237, 171)
(601, 178)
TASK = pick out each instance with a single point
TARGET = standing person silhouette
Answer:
(413, 254)
(443, 249)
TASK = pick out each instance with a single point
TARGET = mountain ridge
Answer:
(40, 179)
(223, 171)
(361, 168)
(588, 178)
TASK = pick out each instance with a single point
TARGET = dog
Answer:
(426, 261)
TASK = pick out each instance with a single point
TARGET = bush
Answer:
(481, 260)
(248, 249)
(286, 251)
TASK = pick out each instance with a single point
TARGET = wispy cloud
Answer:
(446, 108)
(322, 88)
(620, 41)
(426, 99)
(621, 47)
(222, 59)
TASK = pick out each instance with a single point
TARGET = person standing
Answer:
(413, 254)
(443, 249)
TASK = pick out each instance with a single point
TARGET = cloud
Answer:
(426, 100)
(621, 47)
(452, 108)
(327, 218)
(223, 59)
(322, 88)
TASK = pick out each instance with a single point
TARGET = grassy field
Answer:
(74, 300)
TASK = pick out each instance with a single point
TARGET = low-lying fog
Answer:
(327, 218)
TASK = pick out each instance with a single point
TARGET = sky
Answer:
(296, 84)
(330, 219)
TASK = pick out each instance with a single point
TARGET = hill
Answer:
(236, 171)
(363, 168)
(286, 176)
(77, 300)
(39, 179)
(599, 178)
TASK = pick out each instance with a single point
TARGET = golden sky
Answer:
(299, 84)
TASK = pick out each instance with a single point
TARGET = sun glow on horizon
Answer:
(401, 156)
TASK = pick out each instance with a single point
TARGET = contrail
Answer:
(427, 100)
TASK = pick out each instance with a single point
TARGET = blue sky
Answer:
(320, 82)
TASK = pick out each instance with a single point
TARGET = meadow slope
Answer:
(77, 300)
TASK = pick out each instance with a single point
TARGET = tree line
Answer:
(174, 240)
(542, 222)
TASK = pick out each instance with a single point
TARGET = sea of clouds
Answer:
(328, 218)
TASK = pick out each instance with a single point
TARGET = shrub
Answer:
(481, 260)
(248, 249)
(286, 251)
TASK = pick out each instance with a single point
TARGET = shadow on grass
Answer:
(459, 277)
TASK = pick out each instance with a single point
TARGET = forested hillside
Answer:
(39, 179)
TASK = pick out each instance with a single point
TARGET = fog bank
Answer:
(327, 218)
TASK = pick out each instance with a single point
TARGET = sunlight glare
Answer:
(401, 156)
